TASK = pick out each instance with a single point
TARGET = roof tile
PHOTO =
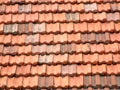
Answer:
(21, 8)
(113, 6)
(74, 37)
(87, 80)
(75, 58)
(65, 69)
(36, 49)
(14, 40)
(9, 70)
(111, 48)
(64, 7)
(12, 81)
(60, 59)
(76, 81)
(90, 7)
(64, 48)
(85, 48)
(14, 50)
(38, 70)
(57, 82)
(104, 7)
(35, 8)
(59, 17)
(43, 17)
(43, 48)
(18, 18)
(84, 17)
(16, 60)
(21, 50)
(97, 48)
(6, 50)
(118, 5)
(80, 27)
(84, 69)
(5, 60)
(100, 16)
(26, 82)
(91, 27)
(99, 69)
(1, 48)
(72, 69)
(90, 58)
(46, 38)
(114, 37)
(117, 28)
(31, 17)
(53, 27)
(28, 8)
(49, 81)
(97, 27)
(7, 39)
(14, 8)
(28, 49)
(3, 82)
(112, 69)
(116, 58)
(57, 70)
(8, 9)
(23, 70)
(42, 59)
(7, 28)
(76, 6)
(1, 28)
(84, 38)
(56, 48)
(105, 58)
(21, 28)
(34, 81)
(42, 82)
(65, 82)
(51, 7)
(30, 59)
(60, 38)
(97, 79)
(113, 80)
(49, 59)
(3, 7)
(117, 80)
(1, 38)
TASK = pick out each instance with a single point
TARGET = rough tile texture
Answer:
(59, 44)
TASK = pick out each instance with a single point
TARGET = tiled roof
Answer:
(60, 44)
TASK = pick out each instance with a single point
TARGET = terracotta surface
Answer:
(59, 44)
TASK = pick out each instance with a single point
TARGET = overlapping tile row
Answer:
(60, 49)
(102, 82)
(69, 7)
(79, 38)
(59, 70)
(59, 28)
(60, 17)
(60, 59)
